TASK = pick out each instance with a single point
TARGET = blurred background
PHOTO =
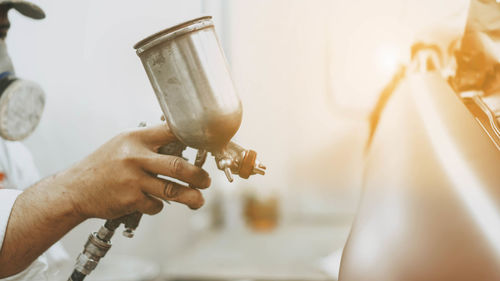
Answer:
(308, 74)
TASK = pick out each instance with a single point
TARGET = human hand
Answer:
(121, 177)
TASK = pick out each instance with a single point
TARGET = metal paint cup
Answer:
(189, 74)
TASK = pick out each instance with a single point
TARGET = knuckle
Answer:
(125, 155)
(126, 135)
(131, 157)
(170, 190)
(131, 134)
(176, 165)
(130, 180)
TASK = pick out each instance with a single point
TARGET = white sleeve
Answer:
(7, 199)
(22, 171)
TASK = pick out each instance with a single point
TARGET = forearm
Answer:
(117, 179)
(40, 216)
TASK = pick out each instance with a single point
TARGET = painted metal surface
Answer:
(430, 209)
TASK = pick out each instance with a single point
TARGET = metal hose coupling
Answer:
(96, 247)
(99, 243)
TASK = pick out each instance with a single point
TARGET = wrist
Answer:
(59, 193)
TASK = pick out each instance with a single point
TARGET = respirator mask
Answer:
(21, 101)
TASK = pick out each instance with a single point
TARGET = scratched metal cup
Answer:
(189, 74)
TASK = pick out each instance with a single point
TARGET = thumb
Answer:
(156, 135)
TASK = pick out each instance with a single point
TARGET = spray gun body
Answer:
(189, 74)
(190, 77)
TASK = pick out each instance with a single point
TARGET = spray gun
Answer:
(189, 74)
(188, 71)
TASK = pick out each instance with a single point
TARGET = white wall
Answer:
(308, 73)
(82, 56)
(286, 57)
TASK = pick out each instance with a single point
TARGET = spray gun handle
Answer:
(130, 222)
(174, 148)
(99, 243)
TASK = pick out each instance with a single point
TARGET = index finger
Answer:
(178, 168)
(156, 135)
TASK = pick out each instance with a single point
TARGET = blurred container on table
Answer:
(261, 214)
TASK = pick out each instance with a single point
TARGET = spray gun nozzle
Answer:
(229, 176)
(259, 168)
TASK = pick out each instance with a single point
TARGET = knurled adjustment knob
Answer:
(247, 164)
